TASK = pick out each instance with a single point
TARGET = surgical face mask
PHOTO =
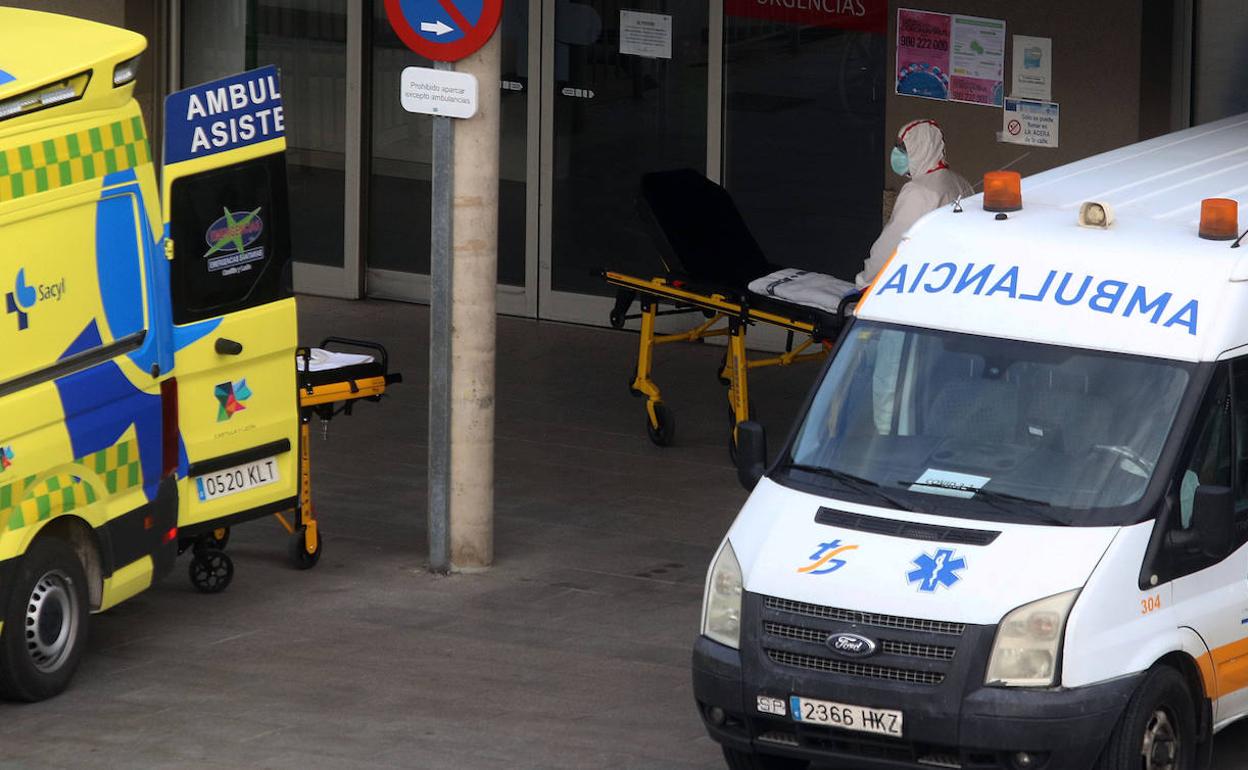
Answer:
(900, 161)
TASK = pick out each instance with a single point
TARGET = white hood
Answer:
(776, 537)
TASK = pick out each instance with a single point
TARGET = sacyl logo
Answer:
(851, 645)
(24, 296)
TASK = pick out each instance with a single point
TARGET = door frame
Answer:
(345, 282)
(511, 300)
(587, 308)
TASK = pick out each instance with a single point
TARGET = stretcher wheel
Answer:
(297, 549)
(211, 570)
(665, 432)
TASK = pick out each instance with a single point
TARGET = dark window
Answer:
(1209, 461)
(231, 235)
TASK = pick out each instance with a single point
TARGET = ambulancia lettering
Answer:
(1060, 287)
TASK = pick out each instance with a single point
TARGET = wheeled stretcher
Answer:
(330, 383)
(710, 260)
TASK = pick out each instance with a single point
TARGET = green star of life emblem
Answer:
(233, 232)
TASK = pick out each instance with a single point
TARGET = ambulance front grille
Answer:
(887, 646)
(850, 668)
(865, 618)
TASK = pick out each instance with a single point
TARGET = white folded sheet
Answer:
(322, 360)
(803, 287)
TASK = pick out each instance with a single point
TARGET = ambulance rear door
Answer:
(233, 313)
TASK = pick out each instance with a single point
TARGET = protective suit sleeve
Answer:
(912, 203)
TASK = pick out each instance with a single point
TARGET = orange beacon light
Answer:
(1219, 219)
(1003, 191)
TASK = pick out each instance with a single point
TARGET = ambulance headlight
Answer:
(1029, 642)
(721, 607)
(126, 71)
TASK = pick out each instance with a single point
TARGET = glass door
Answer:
(401, 169)
(308, 42)
(624, 91)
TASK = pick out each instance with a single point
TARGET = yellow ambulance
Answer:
(147, 339)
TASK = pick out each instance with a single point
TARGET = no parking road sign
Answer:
(444, 30)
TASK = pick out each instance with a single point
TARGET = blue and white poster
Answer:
(224, 115)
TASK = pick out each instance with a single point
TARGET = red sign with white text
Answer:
(864, 15)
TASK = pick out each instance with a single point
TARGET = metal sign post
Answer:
(440, 275)
(461, 377)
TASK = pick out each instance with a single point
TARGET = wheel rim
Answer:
(51, 621)
(1160, 749)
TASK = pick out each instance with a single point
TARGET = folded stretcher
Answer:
(330, 383)
(710, 259)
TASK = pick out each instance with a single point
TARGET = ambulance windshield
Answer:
(960, 424)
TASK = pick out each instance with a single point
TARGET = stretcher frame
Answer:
(726, 315)
(322, 400)
(211, 569)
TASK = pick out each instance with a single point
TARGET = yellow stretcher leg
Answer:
(738, 367)
(306, 517)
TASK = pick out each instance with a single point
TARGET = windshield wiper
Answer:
(995, 498)
(856, 483)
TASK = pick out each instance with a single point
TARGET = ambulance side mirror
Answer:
(751, 453)
(1213, 520)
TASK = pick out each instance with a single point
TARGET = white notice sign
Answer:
(1030, 122)
(646, 34)
(438, 92)
(1033, 68)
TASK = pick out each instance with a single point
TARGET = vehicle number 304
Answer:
(1150, 604)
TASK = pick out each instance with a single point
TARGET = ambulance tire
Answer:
(211, 570)
(740, 760)
(45, 624)
(1161, 718)
(297, 547)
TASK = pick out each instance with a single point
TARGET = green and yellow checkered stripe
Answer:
(73, 158)
(28, 501)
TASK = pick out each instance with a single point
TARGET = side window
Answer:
(231, 235)
(1209, 460)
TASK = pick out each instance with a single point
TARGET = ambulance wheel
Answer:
(297, 549)
(1158, 729)
(211, 570)
(740, 760)
(45, 624)
(665, 432)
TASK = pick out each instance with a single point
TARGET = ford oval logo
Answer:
(851, 645)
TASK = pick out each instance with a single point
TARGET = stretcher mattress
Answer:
(325, 366)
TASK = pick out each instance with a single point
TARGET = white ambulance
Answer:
(1010, 530)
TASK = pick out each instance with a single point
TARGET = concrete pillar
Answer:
(474, 258)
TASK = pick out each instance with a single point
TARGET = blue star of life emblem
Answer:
(940, 568)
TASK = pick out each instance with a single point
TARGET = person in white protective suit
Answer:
(919, 155)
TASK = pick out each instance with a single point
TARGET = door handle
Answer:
(228, 347)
